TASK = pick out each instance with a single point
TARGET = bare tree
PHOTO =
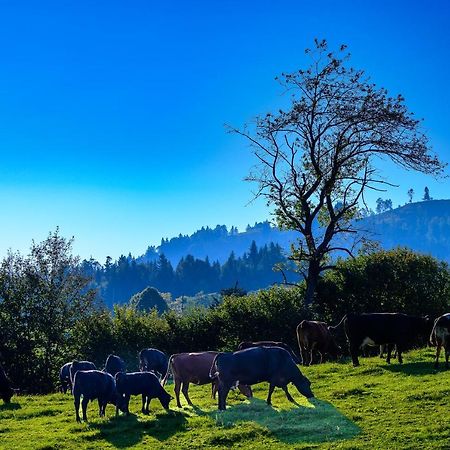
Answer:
(315, 160)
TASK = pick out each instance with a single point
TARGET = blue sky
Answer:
(112, 113)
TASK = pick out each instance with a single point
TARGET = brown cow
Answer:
(315, 337)
(194, 368)
(440, 337)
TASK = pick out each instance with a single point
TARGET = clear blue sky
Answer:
(112, 112)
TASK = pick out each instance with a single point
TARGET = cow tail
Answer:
(331, 328)
(433, 334)
(213, 373)
(168, 371)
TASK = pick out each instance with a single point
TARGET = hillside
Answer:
(422, 226)
(373, 406)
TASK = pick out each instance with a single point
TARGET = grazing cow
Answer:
(141, 383)
(114, 364)
(255, 365)
(194, 368)
(248, 344)
(64, 378)
(440, 337)
(313, 337)
(75, 366)
(91, 385)
(153, 360)
(6, 391)
(383, 328)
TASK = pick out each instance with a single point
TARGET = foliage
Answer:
(148, 299)
(42, 295)
(397, 280)
(320, 152)
(372, 406)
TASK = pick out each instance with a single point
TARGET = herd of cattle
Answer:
(252, 363)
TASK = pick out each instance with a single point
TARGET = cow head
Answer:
(246, 390)
(165, 399)
(7, 394)
(303, 386)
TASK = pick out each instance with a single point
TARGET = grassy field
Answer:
(374, 406)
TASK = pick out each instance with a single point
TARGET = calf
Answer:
(91, 385)
(64, 378)
(313, 337)
(248, 344)
(144, 383)
(6, 391)
(383, 328)
(153, 360)
(75, 366)
(440, 337)
(194, 368)
(114, 364)
(255, 365)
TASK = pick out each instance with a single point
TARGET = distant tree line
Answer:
(117, 281)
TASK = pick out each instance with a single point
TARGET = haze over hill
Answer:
(421, 226)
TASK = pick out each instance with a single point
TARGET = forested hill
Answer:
(218, 243)
(422, 226)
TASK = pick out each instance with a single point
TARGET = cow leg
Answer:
(289, 396)
(321, 357)
(311, 357)
(447, 351)
(185, 390)
(223, 393)
(354, 354)
(77, 408)
(388, 353)
(177, 391)
(147, 404)
(84, 404)
(438, 352)
(143, 404)
(399, 354)
(304, 355)
(269, 396)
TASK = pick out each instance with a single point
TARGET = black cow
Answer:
(6, 391)
(255, 365)
(91, 385)
(248, 344)
(153, 360)
(64, 378)
(393, 329)
(80, 365)
(440, 337)
(114, 364)
(141, 383)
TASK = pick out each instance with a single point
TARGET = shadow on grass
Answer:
(413, 368)
(318, 422)
(126, 431)
(10, 406)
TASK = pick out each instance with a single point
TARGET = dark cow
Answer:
(6, 391)
(248, 344)
(313, 337)
(153, 360)
(194, 368)
(255, 365)
(91, 385)
(64, 378)
(394, 329)
(440, 337)
(114, 364)
(141, 383)
(75, 366)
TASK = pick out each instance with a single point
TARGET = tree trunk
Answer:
(311, 282)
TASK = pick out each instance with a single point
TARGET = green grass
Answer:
(374, 406)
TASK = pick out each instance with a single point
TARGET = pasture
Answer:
(368, 407)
